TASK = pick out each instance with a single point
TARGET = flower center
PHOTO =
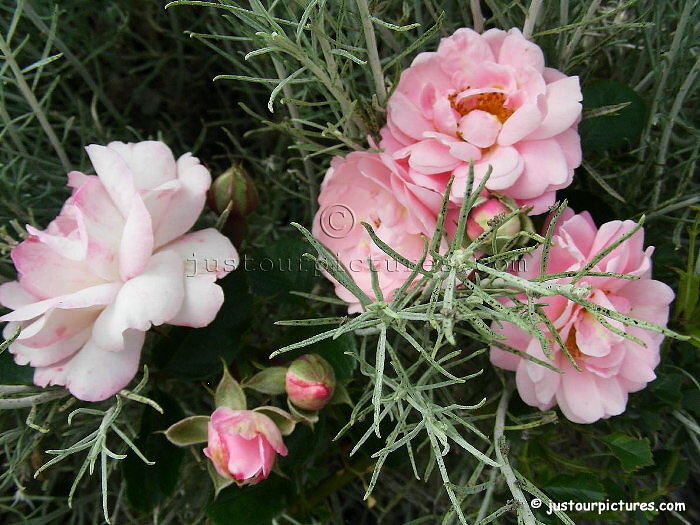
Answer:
(571, 344)
(488, 102)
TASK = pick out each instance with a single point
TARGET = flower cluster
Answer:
(479, 100)
(487, 103)
(243, 444)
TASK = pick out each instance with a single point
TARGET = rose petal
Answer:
(115, 175)
(93, 373)
(137, 240)
(153, 297)
(151, 162)
(186, 205)
(563, 108)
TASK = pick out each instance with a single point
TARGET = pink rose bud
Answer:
(310, 382)
(234, 185)
(243, 444)
(481, 218)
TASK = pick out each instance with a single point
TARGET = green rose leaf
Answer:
(632, 453)
(188, 431)
(581, 487)
(220, 482)
(283, 419)
(253, 505)
(341, 396)
(229, 393)
(270, 381)
(279, 268)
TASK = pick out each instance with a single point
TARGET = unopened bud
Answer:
(483, 217)
(310, 382)
(235, 187)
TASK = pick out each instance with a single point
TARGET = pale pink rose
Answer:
(611, 365)
(115, 261)
(489, 99)
(372, 188)
(243, 444)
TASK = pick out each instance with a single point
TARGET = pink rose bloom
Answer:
(370, 187)
(611, 365)
(490, 100)
(113, 263)
(243, 444)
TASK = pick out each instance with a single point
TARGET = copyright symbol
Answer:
(536, 503)
(336, 220)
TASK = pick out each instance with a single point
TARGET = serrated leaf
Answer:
(270, 381)
(632, 453)
(304, 444)
(188, 431)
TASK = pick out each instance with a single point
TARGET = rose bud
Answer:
(243, 444)
(310, 382)
(236, 187)
(483, 216)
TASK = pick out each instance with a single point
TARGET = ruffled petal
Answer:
(205, 252)
(517, 51)
(202, 301)
(115, 175)
(187, 204)
(579, 397)
(151, 162)
(137, 240)
(479, 128)
(563, 108)
(544, 165)
(153, 297)
(430, 157)
(38, 265)
(521, 123)
(14, 296)
(102, 294)
(93, 373)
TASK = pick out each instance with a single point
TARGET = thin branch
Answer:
(374, 63)
(501, 455)
(477, 15)
(532, 14)
(34, 104)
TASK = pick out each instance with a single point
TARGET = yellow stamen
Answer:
(488, 102)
